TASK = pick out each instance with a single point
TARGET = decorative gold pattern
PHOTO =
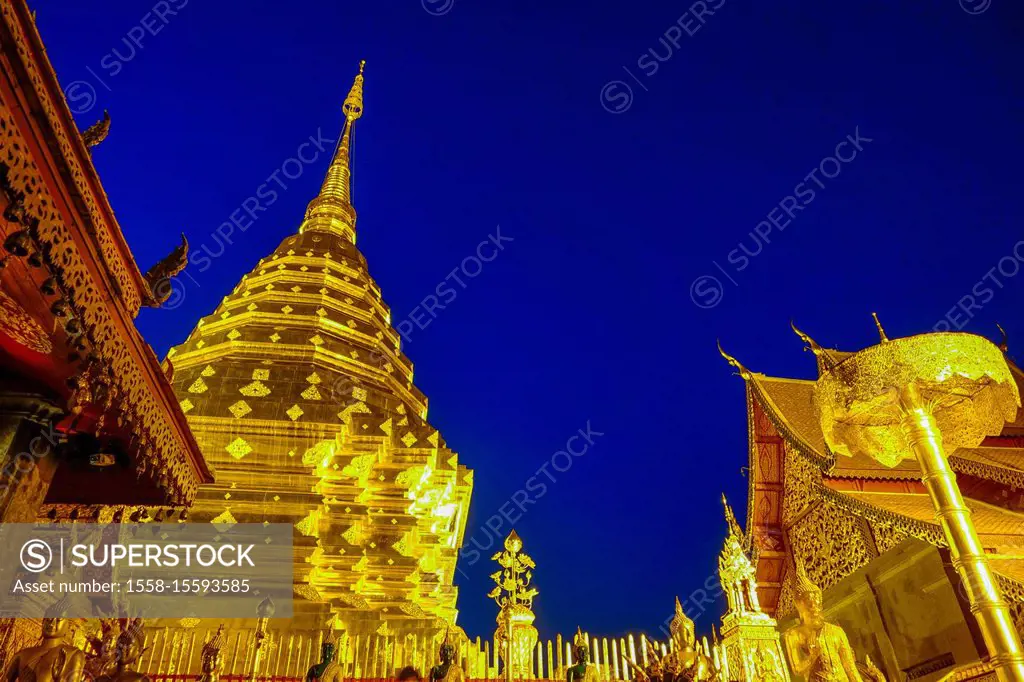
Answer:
(20, 326)
(98, 304)
(317, 399)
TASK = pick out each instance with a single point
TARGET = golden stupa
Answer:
(300, 397)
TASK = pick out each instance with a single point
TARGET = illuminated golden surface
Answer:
(964, 376)
(514, 596)
(818, 650)
(301, 398)
(751, 649)
(907, 398)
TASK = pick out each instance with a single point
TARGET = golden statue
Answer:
(327, 670)
(686, 661)
(52, 660)
(100, 659)
(210, 657)
(582, 669)
(128, 651)
(818, 650)
(447, 670)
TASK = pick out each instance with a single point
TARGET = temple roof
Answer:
(784, 424)
(73, 284)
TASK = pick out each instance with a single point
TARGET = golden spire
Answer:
(332, 208)
(881, 332)
(730, 519)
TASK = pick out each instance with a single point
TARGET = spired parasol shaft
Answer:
(902, 399)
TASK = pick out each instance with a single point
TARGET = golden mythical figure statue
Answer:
(327, 670)
(447, 670)
(129, 649)
(818, 650)
(52, 660)
(211, 662)
(686, 661)
(581, 670)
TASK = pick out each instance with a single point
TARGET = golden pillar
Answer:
(903, 399)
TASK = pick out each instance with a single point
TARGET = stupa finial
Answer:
(332, 209)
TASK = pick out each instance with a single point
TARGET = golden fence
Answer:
(174, 654)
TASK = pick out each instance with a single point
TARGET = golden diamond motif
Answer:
(238, 448)
(208, 371)
(240, 409)
(316, 340)
(256, 389)
(261, 374)
(294, 412)
(409, 439)
(287, 309)
(198, 386)
(275, 337)
(186, 405)
(311, 393)
(234, 334)
(225, 519)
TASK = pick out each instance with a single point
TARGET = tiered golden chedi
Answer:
(299, 395)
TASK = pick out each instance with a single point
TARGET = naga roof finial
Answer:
(881, 332)
(741, 370)
(159, 276)
(98, 131)
(825, 360)
(1004, 343)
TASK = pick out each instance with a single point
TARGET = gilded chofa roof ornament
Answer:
(332, 208)
(159, 276)
(741, 370)
(1004, 344)
(98, 131)
(822, 356)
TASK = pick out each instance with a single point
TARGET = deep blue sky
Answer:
(492, 114)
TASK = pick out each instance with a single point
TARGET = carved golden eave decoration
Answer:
(167, 453)
(70, 149)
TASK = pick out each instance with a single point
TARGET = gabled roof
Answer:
(782, 416)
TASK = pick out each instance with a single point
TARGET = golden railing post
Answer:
(965, 548)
